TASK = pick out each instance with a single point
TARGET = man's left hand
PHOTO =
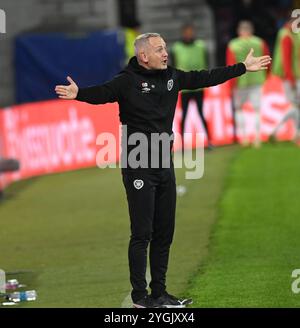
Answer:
(254, 64)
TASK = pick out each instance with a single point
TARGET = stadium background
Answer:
(66, 234)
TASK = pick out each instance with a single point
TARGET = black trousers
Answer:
(198, 97)
(151, 195)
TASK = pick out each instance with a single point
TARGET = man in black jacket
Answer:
(147, 93)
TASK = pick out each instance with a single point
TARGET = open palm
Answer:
(254, 64)
(67, 91)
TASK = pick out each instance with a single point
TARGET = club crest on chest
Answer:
(170, 85)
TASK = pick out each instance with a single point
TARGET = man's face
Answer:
(188, 33)
(156, 53)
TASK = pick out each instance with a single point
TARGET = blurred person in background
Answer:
(248, 86)
(190, 54)
(261, 13)
(147, 92)
(286, 65)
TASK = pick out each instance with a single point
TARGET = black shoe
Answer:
(169, 301)
(145, 302)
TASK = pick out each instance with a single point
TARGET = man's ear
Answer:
(144, 57)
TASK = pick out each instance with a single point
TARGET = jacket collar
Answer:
(134, 66)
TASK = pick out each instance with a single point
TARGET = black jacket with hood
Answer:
(147, 98)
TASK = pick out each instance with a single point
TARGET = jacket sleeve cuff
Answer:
(78, 97)
(242, 67)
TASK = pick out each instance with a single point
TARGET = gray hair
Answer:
(143, 40)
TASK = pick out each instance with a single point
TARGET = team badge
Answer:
(138, 184)
(170, 84)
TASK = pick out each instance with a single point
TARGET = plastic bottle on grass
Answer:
(29, 295)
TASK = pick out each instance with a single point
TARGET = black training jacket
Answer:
(147, 98)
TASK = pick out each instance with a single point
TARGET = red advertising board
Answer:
(56, 136)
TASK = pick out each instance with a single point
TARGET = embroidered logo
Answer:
(138, 184)
(170, 84)
(145, 88)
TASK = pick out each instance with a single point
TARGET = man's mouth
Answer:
(165, 61)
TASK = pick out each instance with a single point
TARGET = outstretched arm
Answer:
(202, 79)
(99, 94)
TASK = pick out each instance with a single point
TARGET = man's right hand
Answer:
(67, 91)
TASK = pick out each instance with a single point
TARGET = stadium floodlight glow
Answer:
(2, 21)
